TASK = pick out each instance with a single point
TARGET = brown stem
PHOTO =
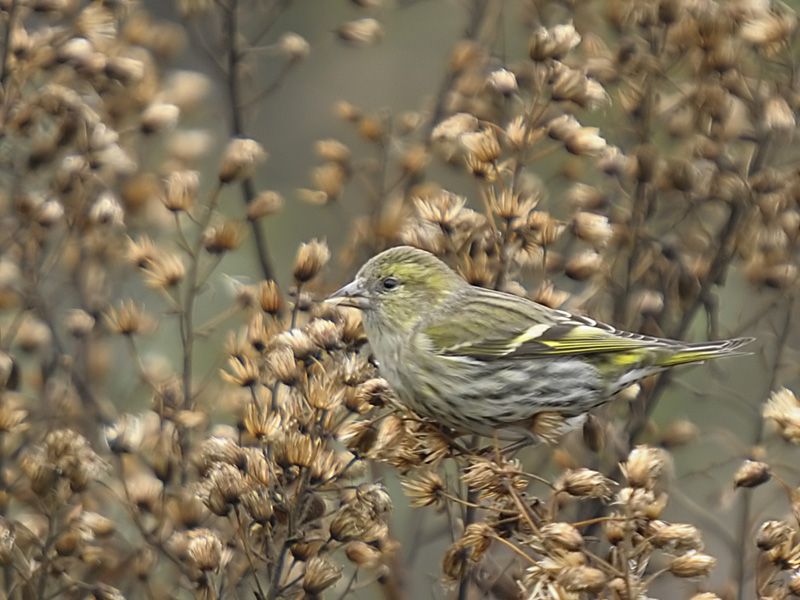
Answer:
(238, 129)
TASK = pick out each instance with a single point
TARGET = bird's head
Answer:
(399, 286)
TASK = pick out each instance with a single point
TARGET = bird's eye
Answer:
(389, 283)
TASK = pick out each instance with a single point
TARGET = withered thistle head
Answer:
(204, 549)
(265, 204)
(692, 564)
(311, 258)
(181, 190)
(319, 575)
(240, 159)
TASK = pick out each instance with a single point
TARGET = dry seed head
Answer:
(49, 213)
(425, 490)
(79, 323)
(361, 32)
(305, 551)
(592, 228)
(415, 158)
(158, 117)
(267, 203)
(582, 579)
(324, 334)
(783, 409)
(332, 150)
(222, 238)
(362, 554)
(128, 319)
(585, 141)
(503, 81)
(293, 46)
(204, 549)
(482, 146)
(679, 536)
(107, 211)
(125, 435)
(141, 252)
(242, 371)
(645, 465)
(240, 159)
(299, 342)
(372, 128)
(794, 584)
(772, 534)
(751, 473)
(453, 127)
(319, 575)
(561, 536)
(585, 483)
(181, 190)
(563, 126)
(269, 298)
(584, 265)
(311, 258)
(692, 564)
(164, 271)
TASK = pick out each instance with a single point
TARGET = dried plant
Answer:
(637, 164)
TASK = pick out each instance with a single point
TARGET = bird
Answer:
(482, 361)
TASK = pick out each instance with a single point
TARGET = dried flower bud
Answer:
(362, 555)
(425, 490)
(219, 239)
(267, 203)
(692, 564)
(282, 365)
(454, 127)
(204, 549)
(361, 32)
(585, 483)
(332, 150)
(772, 534)
(562, 535)
(319, 575)
(680, 536)
(305, 551)
(584, 265)
(584, 141)
(107, 210)
(482, 145)
(49, 213)
(79, 323)
(644, 466)
(311, 258)
(592, 228)
(240, 159)
(181, 190)
(158, 117)
(751, 473)
(128, 319)
(293, 46)
(503, 81)
(582, 579)
(783, 408)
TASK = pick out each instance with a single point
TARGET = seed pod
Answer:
(751, 473)
(692, 564)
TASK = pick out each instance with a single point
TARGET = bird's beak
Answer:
(353, 295)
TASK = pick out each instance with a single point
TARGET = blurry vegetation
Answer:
(632, 160)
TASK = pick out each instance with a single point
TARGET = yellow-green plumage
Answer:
(487, 362)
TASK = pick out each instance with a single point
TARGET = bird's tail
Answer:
(700, 351)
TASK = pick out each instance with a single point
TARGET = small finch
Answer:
(482, 361)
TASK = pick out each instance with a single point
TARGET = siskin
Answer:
(482, 361)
